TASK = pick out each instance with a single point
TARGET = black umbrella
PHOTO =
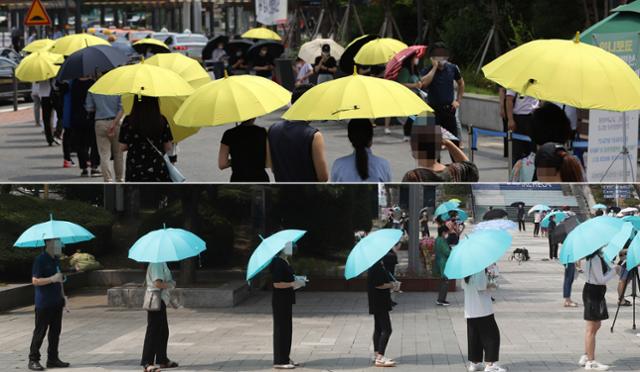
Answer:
(274, 49)
(516, 204)
(236, 45)
(90, 61)
(143, 48)
(614, 209)
(212, 44)
(564, 228)
(124, 46)
(495, 214)
(346, 61)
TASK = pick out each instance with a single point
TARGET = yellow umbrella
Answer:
(69, 44)
(38, 66)
(356, 97)
(379, 51)
(142, 43)
(568, 72)
(261, 33)
(230, 100)
(142, 79)
(312, 49)
(191, 71)
(39, 45)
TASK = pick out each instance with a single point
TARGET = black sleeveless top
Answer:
(290, 146)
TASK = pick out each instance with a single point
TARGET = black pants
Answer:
(381, 331)
(444, 289)
(408, 125)
(483, 338)
(154, 350)
(67, 143)
(46, 319)
(536, 228)
(282, 332)
(521, 225)
(47, 109)
(553, 248)
(84, 140)
(522, 149)
(505, 128)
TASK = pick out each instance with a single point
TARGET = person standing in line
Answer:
(379, 285)
(442, 250)
(35, 97)
(108, 115)
(536, 223)
(245, 150)
(83, 126)
(263, 64)
(521, 216)
(597, 274)
(325, 65)
(553, 245)
(569, 278)
(483, 334)
(44, 91)
(156, 338)
(520, 116)
(50, 302)
(505, 121)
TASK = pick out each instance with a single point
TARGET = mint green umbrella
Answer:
(623, 19)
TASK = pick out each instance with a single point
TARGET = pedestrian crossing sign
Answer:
(37, 15)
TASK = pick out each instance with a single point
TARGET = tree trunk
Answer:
(587, 14)
(497, 24)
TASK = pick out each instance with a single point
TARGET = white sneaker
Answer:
(406, 139)
(284, 366)
(387, 131)
(385, 362)
(595, 366)
(494, 368)
(583, 360)
(475, 367)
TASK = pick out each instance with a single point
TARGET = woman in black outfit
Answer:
(244, 148)
(379, 284)
(146, 137)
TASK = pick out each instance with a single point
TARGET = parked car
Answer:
(6, 81)
(11, 54)
(187, 43)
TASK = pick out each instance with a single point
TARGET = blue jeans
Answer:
(569, 275)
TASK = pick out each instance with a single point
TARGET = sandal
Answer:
(570, 304)
(171, 364)
(151, 368)
(625, 303)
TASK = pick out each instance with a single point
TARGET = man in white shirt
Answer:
(35, 97)
(44, 91)
(519, 115)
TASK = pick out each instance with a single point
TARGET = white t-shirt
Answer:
(304, 70)
(523, 105)
(593, 272)
(44, 88)
(477, 300)
(537, 217)
(35, 89)
(160, 271)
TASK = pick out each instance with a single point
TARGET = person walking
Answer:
(156, 338)
(597, 274)
(108, 113)
(442, 250)
(325, 65)
(483, 334)
(569, 278)
(521, 217)
(146, 137)
(50, 302)
(379, 285)
(520, 115)
(362, 165)
(553, 245)
(537, 217)
(35, 97)
(83, 127)
(283, 298)
(44, 91)
(245, 150)
(297, 149)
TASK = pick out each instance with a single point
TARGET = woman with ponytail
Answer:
(362, 165)
(555, 164)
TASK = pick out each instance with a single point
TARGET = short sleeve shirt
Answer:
(159, 271)
(379, 299)
(261, 61)
(406, 77)
(248, 150)
(523, 105)
(329, 63)
(282, 272)
(344, 169)
(50, 295)
(440, 91)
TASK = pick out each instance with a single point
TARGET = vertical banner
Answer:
(271, 12)
(605, 127)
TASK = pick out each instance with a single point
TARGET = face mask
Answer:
(416, 62)
(238, 54)
(288, 249)
(263, 53)
(57, 248)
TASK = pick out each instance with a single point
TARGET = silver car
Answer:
(187, 43)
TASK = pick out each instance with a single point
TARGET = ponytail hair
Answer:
(554, 156)
(571, 169)
(360, 132)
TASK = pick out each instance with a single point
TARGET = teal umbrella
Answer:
(599, 206)
(623, 19)
(445, 207)
(462, 215)
(633, 254)
(270, 247)
(539, 208)
(67, 232)
(370, 250)
(559, 217)
(618, 242)
(475, 253)
(588, 237)
(634, 220)
(167, 245)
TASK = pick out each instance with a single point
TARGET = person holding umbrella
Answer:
(325, 65)
(263, 64)
(443, 250)
(521, 215)
(553, 245)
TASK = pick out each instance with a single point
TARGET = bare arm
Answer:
(223, 157)
(503, 95)
(124, 147)
(39, 282)
(385, 286)
(283, 285)
(428, 78)
(456, 153)
(268, 157)
(460, 90)
(168, 146)
(160, 284)
(510, 105)
(319, 159)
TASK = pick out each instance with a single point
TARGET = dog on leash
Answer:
(520, 255)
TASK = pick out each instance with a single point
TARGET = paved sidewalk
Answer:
(332, 331)
(27, 158)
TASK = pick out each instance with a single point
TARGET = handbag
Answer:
(174, 173)
(152, 299)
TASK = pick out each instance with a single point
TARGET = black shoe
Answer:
(96, 173)
(34, 365)
(57, 363)
(84, 173)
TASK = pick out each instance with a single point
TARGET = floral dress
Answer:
(144, 163)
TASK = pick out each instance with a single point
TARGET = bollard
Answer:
(470, 143)
(510, 153)
(15, 89)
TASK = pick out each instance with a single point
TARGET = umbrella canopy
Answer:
(356, 97)
(312, 49)
(268, 248)
(379, 51)
(618, 241)
(455, 200)
(152, 45)
(142, 79)
(236, 45)
(629, 210)
(496, 225)
(124, 46)
(445, 207)
(558, 217)
(167, 245)
(212, 44)
(231, 99)
(462, 215)
(623, 19)
(539, 208)
(568, 72)
(40, 45)
(395, 64)
(588, 237)
(346, 60)
(634, 220)
(599, 206)
(370, 250)
(633, 253)
(495, 214)
(38, 66)
(67, 232)
(261, 33)
(91, 61)
(67, 45)
(477, 252)
(564, 228)
(516, 204)
(274, 49)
